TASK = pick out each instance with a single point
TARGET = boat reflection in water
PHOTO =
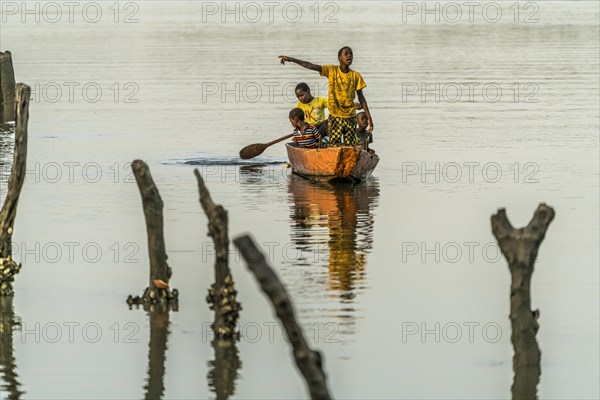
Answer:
(334, 221)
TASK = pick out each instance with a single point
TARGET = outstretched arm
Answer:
(304, 64)
(365, 107)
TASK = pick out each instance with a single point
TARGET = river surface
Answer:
(397, 281)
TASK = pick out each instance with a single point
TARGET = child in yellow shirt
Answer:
(313, 107)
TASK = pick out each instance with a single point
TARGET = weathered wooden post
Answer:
(8, 267)
(309, 362)
(222, 294)
(158, 290)
(7, 87)
(520, 248)
(157, 299)
(8, 366)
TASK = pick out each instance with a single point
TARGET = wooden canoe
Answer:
(329, 163)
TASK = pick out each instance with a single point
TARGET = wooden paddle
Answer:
(256, 149)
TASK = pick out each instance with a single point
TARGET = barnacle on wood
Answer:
(151, 297)
(8, 269)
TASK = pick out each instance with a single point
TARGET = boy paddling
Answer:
(305, 135)
(344, 85)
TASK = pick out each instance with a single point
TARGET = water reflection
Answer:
(223, 370)
(7, 142)
(335, 222)
(159, 333)
(525, 382)
(253, 172)
(263, 173)
(8, 367)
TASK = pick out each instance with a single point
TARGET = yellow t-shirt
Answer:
(314, 111)
(342, 90)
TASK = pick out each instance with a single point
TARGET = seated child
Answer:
(305, 135)
(365, 137)
(313, 107)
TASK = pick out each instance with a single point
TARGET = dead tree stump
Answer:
(158, 290)
(7, 87)
(222, 295)
(309, 362)
(8, 267)
(222, 298)
(520, 248)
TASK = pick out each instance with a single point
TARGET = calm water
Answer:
(397, 281)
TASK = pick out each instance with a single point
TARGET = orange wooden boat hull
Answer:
(343, 162)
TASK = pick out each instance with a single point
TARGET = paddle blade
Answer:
(252, 151)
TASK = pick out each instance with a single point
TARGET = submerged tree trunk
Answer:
(222, 298)
(222, 295)
(8, 267)
(158, 290)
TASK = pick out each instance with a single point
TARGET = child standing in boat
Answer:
(305, 135)
(344, 85)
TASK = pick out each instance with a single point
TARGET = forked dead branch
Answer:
(520, 248)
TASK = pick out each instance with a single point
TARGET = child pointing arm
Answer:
(304, 64)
